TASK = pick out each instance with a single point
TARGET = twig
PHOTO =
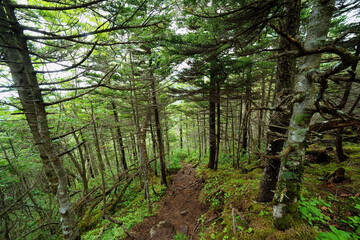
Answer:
(234, 221)
(106, 227)
(240, 215)
(121, 224)
(34, 230)
(203, 224)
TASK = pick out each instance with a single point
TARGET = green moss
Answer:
(288, 175)
(302, 119)
(292, 208)
(87, 224)
(284, 222)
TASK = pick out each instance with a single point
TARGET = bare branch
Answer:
(11, 105)
(71, 149)
(66, 134)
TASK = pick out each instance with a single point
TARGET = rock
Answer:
(184, 213)
(184, 229)
(162, 230)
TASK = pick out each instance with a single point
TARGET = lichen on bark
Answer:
(293, 158)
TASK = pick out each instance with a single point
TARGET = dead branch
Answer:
(240, 215)
(71, 149)
(121, 224)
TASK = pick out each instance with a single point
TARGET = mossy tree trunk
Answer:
(279, 121)
(293, 156)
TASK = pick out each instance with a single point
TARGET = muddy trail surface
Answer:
(179, 209)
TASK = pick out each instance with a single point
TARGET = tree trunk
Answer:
(18, 59)
(238, 152)
(158, 133)
(226, 136)
(83, 164)
(167, 137)
(181, 132)
(339, 145)
(293, 156)
(115, 152)
(212, 116)
(119, 136)
(141, 137)
(154, 148)
(279, 121)
(261, 114)
(100, 159)
(233, 135)
(218, 132)
(204, 135)
(199, 135)
(247, 114)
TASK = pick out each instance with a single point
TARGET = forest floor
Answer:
(179, 209)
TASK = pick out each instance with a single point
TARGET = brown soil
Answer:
(179, 209)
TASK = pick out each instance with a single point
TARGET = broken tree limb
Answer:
(329, 125)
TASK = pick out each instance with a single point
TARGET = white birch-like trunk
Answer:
(293, 156)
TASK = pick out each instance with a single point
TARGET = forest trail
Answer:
(179, 209)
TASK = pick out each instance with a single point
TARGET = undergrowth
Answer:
(325, 213)
(131, 211)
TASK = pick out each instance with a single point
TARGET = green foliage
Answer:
(176, 158)
(336, 234)
(311, 213)
(316, 212)
(180, 236)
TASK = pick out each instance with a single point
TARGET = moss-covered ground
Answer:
(327, 210)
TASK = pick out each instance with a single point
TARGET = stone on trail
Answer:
(162, 230)
(184, 229)
(184, 213)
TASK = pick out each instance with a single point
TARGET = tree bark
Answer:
(181, 132)
(279, 121)
(218, 127)
(199, 135)
(212, 115)
(238, 151)
(83, 165)
(100, 159)
(17, 54)
(141, 137)
(247, 115)
(119, 137)
(154, 148)
(261, 114)
(158, 133)
(293, 156)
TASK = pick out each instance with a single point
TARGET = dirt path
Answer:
(179, 209)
